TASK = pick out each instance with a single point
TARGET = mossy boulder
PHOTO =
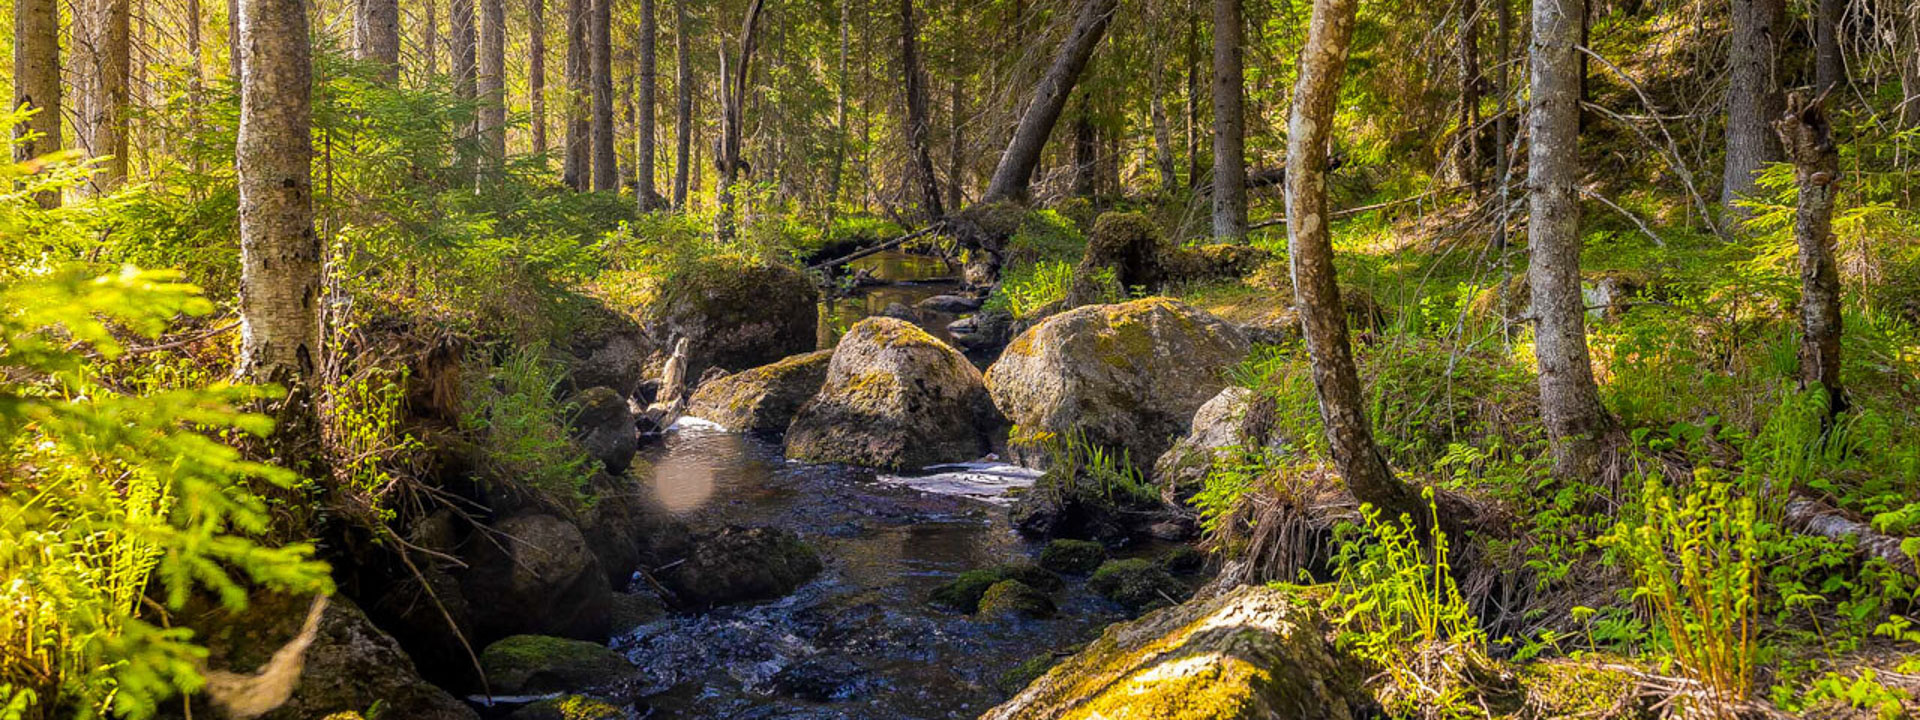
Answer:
(1127, 244)
(1137, 583)
(625, 528)
(536, 574)
(1235, 418)
(1183, 560)
(735, 312)
(1012, 598)
(572, 707)
(763, 399)
(605, 427)
(533, 664)
(894, 398)
(1127, 376)
(1073, 557)
(1560, 688)
(738, 565)
(606, 348)
(1251, 654)
(1212, 262)
(964, 592)
(350, 665)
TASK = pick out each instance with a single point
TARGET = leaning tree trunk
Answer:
(36, 82)
(492, 124)
(576, 171)
(1229, 125)
(644, 124)
(606, 173)
(1310, 245)
(1014, 175)
(279, 251)
(683, 111)
(1750, 83)
(1829, 67)
(1569, 398)
(1807, 138)
(376, 36)
(537, 73)
(917, 125)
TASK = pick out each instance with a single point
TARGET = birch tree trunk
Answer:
(1807, 138)
(1323, 319)
(376, 36)
(644, 149)
(1013, 176)
(1569, 397)
(36, 82)
(606, 173)
(1229, 125)
(279, 251)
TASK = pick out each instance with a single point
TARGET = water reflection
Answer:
(912, 278)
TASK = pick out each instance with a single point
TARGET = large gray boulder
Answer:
(734, 312)
(1250, 654)
(605, 348)
(1127, 376)
(605, 427)
(1237, 417)
(763, 399)
(535, 574)
(894, 398)
(741, 565)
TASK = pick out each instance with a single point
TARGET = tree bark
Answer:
(1807, 138)
(279, 251)
(1086, 151)
(36, 82)
(606, 173)
(537, 72)
(1503, 127)
(1466, 158)
(1323, 319)
(644, 147)
(1569, 397)
(1193, 95)
(956, 115)
(842, 81)
(1909, 44)
(1014, 175)
(492, 83)
(432, 42)
(460, 46)
(376, 36)
(102, 37)
(1229, 124)
(1829, 67)
(1162, 132)
(233, 40)
(1750, 78)
(576, 169)
(733, 93)
(683, 122)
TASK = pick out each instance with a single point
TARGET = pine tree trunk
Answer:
(917, 128)
(956, 115)
(36, 82)
(1807, 137)
(537, 72)
(576, 171)
(1503, 128)
(460, 46)
(103, 43)
(279, 251)
(842, 82)
(233, 40)
(1909, 49)
(1466, 158)
(1229, 125)
(1750, 78)
(1193, 95)
(644, 150)
(432, 43)
(683, 121)
(606, 174)
(492, 82)
(1086, 151)
(1829, 67)
(376, 36)
(1162, 133)
(1569, 398)
(733, 101)
(1013, 176)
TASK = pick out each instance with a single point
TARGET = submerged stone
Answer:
(742, 565)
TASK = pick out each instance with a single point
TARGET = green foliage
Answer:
(1076, 465)
(1028, 291)
(363, 429)
(522, 430)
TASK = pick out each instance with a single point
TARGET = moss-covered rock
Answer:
(540, 577)
(742, 565)
(605, 427)
(1029, 670)
(1127, 377)
(963, 593)
(626, 529)
(894, 398)
(572, 707)
(735, 311)
(1183, 560)
(1137, 583)
(1235, 418)
(763, 399)
(1073, 557)
(1214, 262)
(1251, 654)
(532, 664)
(1127, 244)
(1012, 598)
(606, 348)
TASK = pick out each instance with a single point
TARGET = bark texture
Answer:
(537, 72)
(644, 147)
(683, 120)
(1569, 398)
(1013, 177)
(918, 127)
(576, 171)
(733, 92)
(1229, 124)
(1829, 67)
(1322, 317)
(103, 42)
(1466, 53)
(36, 81)
(279, 251)
(492, 81)
(460, 46)
(1750, 87)
(606, 173)
(376, 36)
(1807, 138)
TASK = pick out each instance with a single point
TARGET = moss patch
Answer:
(1074, 557)
(1137, 583)
(1012, 598)
(538, 663)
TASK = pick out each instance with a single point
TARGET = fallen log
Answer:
(882, 247)
(1812, 516)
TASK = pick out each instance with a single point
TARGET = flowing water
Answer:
(860, 641)
(910, 278)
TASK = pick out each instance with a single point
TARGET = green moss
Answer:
(1560, 688)
(1076, 557)
(571, 707)
(964, 592)
(1026, 672)
(1137, 583)
(1032, 575)
(1012, 598)
(1183, 559)
(538, 663)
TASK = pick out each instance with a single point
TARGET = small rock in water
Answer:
(1172, 531)
(537, 663)
(1137, 583)
(1012, 598)
(742, 565)
(1074, 557)
(950, 304)
(821, 679)
(898, 311)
